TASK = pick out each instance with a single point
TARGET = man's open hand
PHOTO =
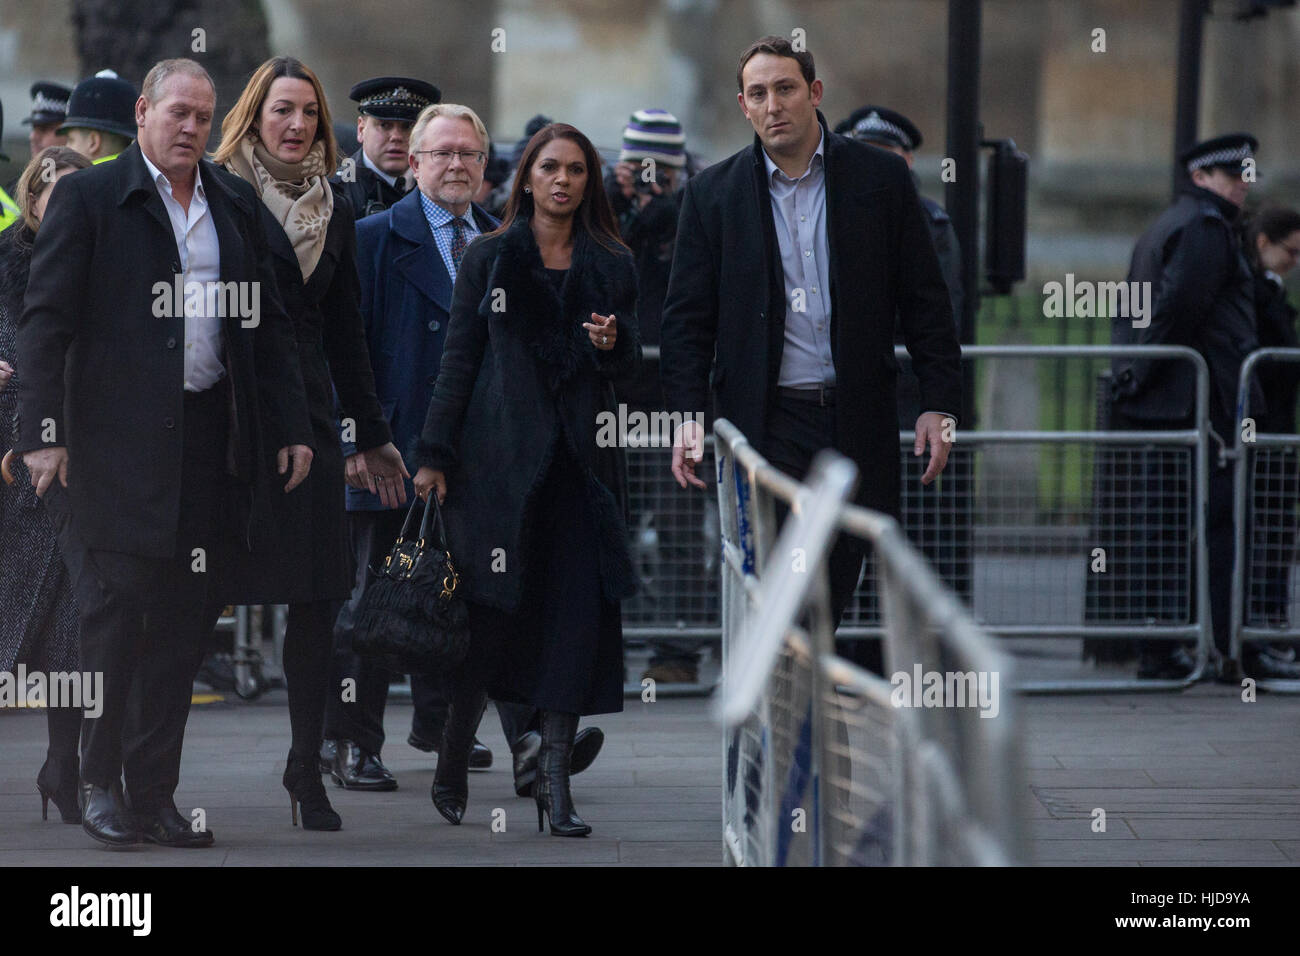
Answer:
(300, 456)
(688, 449)
(937, 431)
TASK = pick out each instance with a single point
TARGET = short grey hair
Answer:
(434, 110)
(152, 89)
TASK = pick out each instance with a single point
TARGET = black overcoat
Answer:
(726, 304)
(104, 245)
(519, 376)
(1202, 296)
(306, 556)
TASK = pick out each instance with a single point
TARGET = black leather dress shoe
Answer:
(1166, 665)
(357, 769)
(480, 757)
(1265, 666)
(328, 749)
(586, 745)
(104, 817)
(524, 754)
(166, 827)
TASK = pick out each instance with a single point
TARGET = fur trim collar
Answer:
(550, 324)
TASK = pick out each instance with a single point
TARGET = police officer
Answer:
(101, 116)
(49, 110)
(891, 130)
(9, 212)
(1203, 297)
(944, 540)
(375, 178)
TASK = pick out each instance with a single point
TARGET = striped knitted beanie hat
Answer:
(655, 134)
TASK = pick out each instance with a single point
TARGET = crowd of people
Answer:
(433, 317)
(430, 318)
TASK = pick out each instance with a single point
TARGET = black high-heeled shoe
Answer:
(57, 781)
(450, 790)
(551, 791)
(302, 780)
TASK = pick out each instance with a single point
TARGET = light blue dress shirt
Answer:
(799, 208)
(443, 231)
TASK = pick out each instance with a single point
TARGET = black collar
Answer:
(133, 176)
(1230, 210)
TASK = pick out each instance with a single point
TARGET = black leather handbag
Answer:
(410, 614)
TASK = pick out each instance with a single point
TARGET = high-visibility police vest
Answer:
(103, 159)
(9, 213)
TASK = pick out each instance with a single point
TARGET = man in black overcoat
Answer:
(793, 258)
(156, 355)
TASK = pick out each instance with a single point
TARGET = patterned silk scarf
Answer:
(298, 195)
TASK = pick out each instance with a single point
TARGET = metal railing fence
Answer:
(827, 764)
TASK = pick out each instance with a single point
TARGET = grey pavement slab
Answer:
(1190, 779)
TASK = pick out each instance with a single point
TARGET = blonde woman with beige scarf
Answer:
(278, 138)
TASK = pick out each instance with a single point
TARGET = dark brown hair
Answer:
(1275, 223)
(594, 214)
(778, 46)
(248, 108)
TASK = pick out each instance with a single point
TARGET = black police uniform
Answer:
(1202, 297)
(942, 531)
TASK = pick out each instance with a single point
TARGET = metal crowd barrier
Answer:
(1013, 524)
(1266, 490)
(827, 764)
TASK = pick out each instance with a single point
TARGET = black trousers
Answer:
(372, 534)
(144, 621)
(796, 431)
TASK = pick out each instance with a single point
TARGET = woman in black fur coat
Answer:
(38, 615)
(542, 321)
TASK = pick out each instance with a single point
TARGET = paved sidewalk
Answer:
(652, 798)
(1198, 778)
(1190, 779)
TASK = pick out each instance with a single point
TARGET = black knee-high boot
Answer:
(552, 788)
(450, 790)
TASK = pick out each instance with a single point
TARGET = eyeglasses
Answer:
(467, 156)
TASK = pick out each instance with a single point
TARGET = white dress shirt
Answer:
(386, 177)
(200, 253)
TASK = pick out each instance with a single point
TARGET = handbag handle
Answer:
(406, 525)
(431, 507)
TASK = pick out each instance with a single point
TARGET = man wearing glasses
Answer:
(407, 259)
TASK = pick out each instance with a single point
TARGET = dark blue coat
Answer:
(405, 303)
